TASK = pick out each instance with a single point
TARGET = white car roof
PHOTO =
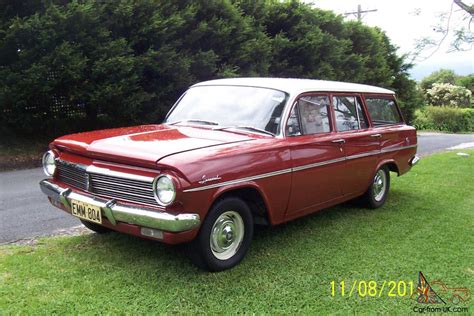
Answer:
(296, 86)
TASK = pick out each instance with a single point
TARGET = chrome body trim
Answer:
(118, 174)
(296, 169)
(339, 141)
(107, 183)
(388, 150)
(116, 212)
(260, 176)
(121, 184)
(103, 171)
(318, 164)
(370, 153)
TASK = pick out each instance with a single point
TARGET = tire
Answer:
(377, 193)
(95, 227)
(224, 237)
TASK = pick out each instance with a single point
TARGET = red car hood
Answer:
(144, 145)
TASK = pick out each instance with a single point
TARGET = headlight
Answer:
(49, 163)
(164, 190)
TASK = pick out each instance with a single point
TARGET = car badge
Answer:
(204, 179)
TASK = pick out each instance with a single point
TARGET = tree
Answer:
(71, 66)
(463, 37)
(447, 76)
(466, 82)
(440, 76)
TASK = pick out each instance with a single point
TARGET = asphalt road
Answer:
(26, 213)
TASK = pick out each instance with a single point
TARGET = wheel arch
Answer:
(391, 165)
(252, 195)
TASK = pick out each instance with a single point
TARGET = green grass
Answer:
(426, 225)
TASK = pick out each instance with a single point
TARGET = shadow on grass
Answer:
(326, 227)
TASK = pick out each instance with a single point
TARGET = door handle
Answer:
(339, 141)
(376, 135)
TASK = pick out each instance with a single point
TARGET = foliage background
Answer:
(449, 102)
(68, 66)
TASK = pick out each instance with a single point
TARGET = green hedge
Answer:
(443, 118)
(78, 65)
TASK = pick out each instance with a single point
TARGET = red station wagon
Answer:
(230, 154)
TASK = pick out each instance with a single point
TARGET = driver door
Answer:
(316, 155)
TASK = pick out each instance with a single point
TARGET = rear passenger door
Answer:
(361, 145)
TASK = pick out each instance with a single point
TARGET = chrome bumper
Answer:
(413, 161)
(115, 212)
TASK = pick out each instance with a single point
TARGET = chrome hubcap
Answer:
(226, 235)
(379, 185)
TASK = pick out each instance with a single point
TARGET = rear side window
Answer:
(349, 114)
(383, 111)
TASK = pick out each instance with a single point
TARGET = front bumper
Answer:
(116, 212)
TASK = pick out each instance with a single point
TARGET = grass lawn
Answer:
(427, 225)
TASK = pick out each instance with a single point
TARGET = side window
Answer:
(349, 114)
(383, 111)
(309, 116)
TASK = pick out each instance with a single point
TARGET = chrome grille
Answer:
(72, 175)
(124, 189)
(130, 190)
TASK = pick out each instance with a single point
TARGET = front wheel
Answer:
(225, 236)
(378, 191)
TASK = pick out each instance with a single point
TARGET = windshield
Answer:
(231, 106)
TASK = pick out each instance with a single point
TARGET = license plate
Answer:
(86, 211)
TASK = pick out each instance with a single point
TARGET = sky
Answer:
(406, 21)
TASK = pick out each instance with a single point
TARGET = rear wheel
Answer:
(225, 236)
(378, 191)
(95, 227)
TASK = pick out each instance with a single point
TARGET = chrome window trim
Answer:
(296, 169)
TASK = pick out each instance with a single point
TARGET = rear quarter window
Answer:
(383, 111)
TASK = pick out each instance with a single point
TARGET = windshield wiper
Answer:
(194, 121)
(251, 128)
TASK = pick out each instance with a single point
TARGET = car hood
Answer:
(144, 145)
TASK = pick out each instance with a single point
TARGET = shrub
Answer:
(447, 94)
(444, 118)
